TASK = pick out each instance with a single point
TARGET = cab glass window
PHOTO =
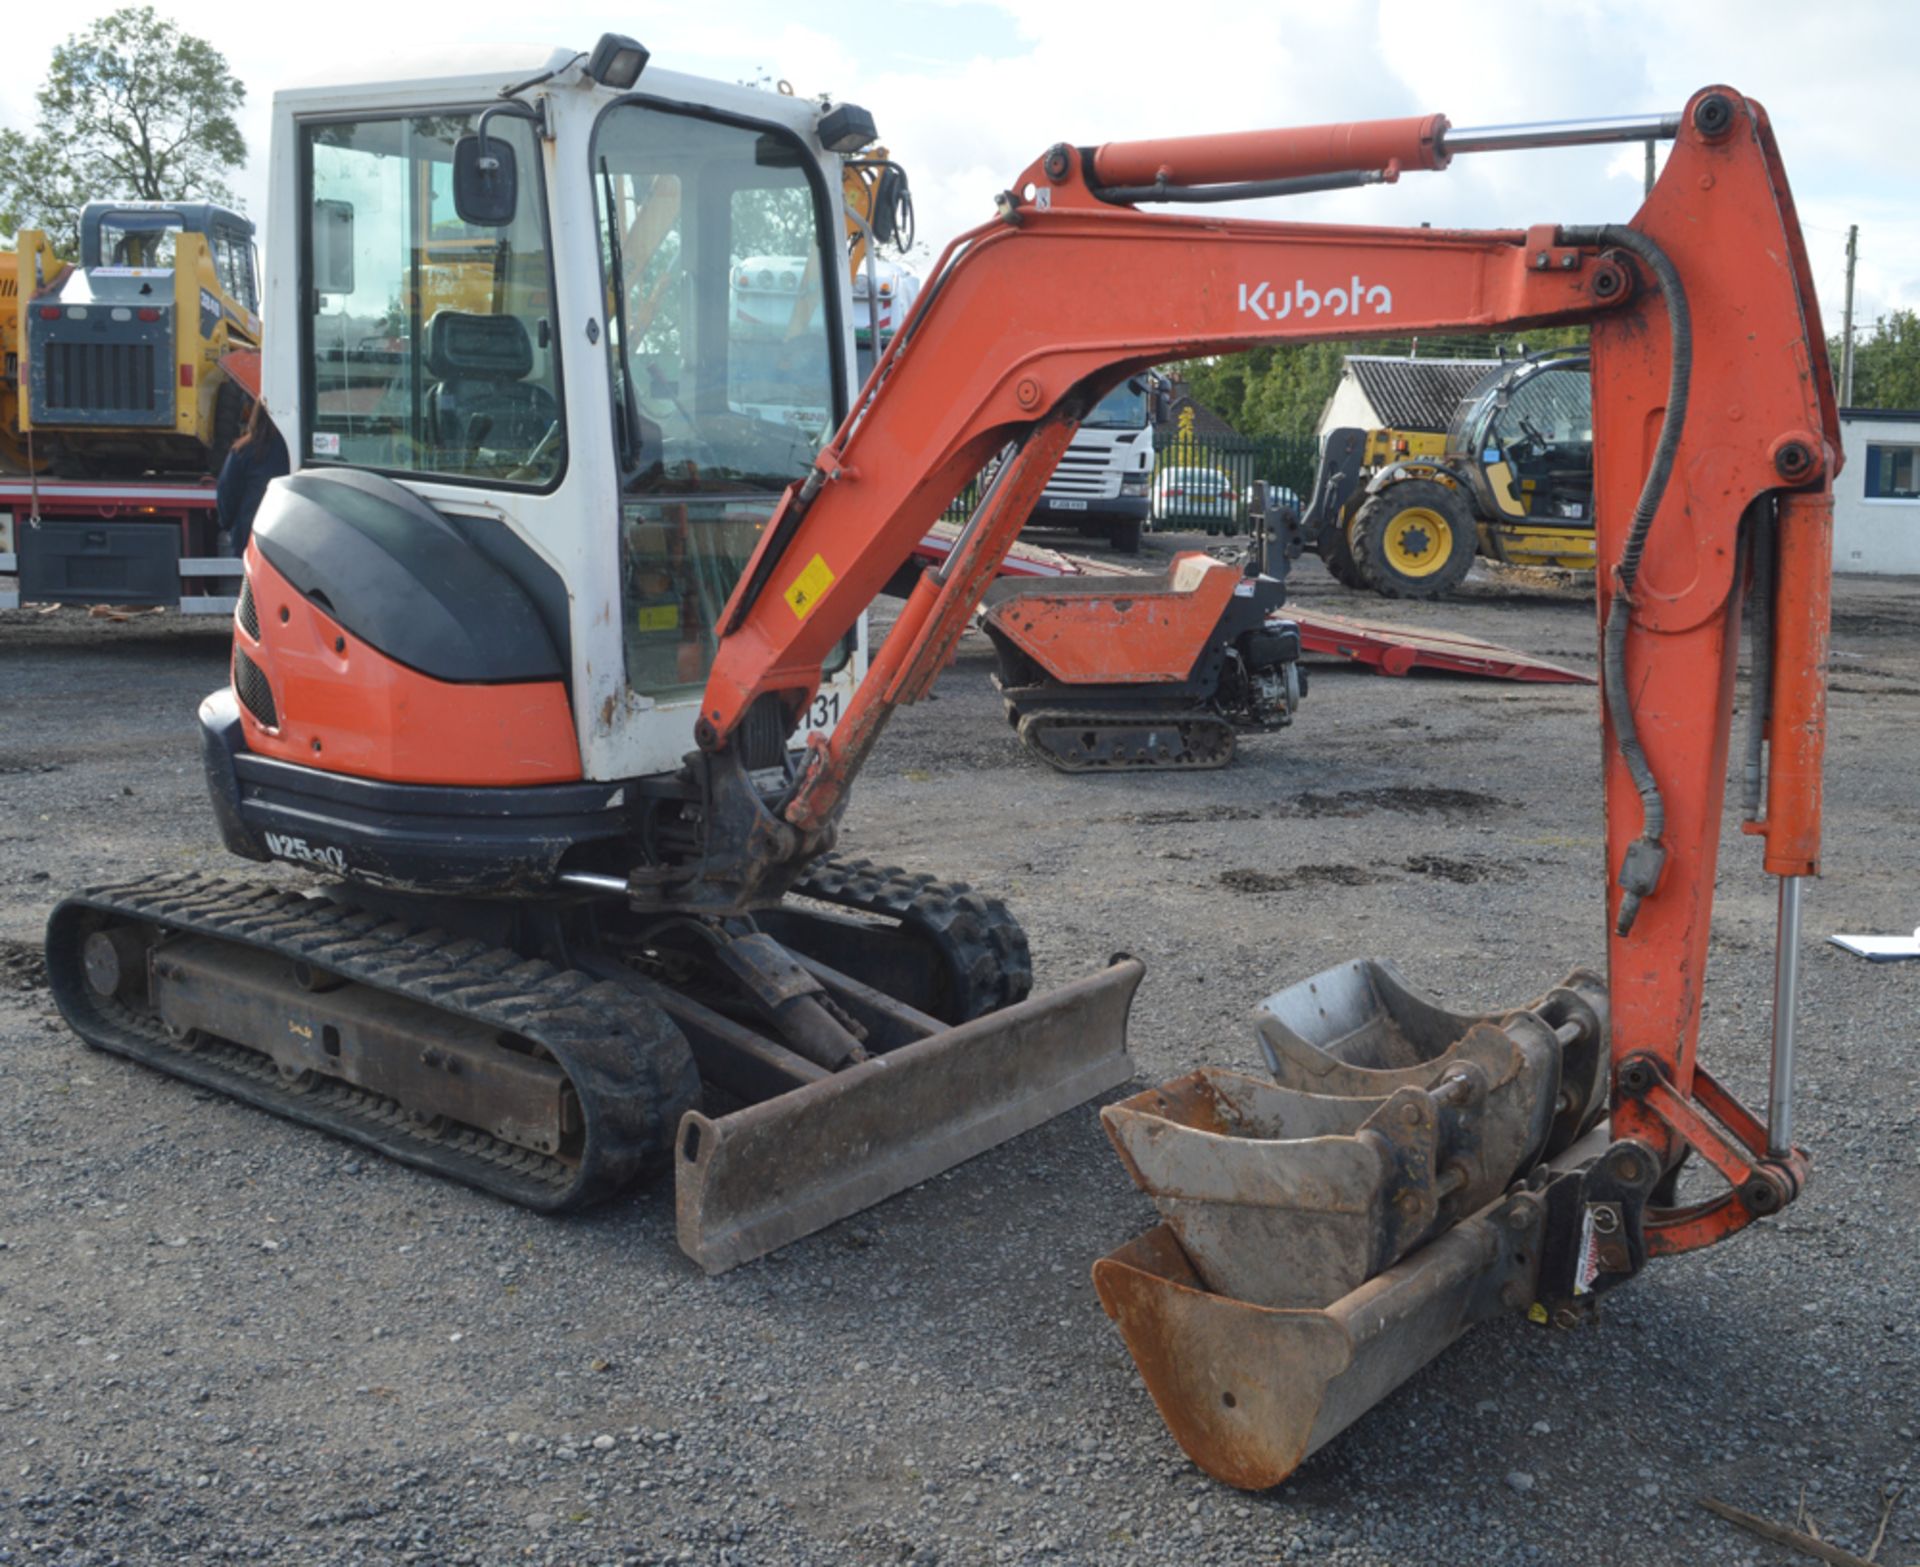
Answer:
(1124, 408)
(233, 261)
(429, 341)
(138, 241)
(721, 334)
(1551, 409)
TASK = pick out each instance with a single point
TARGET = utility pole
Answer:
(1649, 166)
(1846, 320)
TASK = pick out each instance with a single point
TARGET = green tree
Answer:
(1886, 363)
(132, 108)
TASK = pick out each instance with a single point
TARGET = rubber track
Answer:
(984, 945)
(1148, 720)
(628, 1063)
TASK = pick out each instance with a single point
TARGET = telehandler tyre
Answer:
(1337, 553)
(1414, 540)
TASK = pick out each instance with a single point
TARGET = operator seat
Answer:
(479, 364)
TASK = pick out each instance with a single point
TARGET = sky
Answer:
(967, 92)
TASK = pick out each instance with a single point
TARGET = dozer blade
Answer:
(754, 1180)
(1327, 1233)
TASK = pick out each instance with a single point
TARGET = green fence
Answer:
(1287, 462)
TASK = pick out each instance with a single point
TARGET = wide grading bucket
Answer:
(1328, 1232)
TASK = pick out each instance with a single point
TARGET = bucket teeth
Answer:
(1388, 1124)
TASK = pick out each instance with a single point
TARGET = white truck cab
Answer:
(1103, 484)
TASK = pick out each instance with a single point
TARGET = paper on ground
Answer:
(1881, 949)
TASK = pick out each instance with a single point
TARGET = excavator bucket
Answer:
(1328, 1231)
(764, 1175)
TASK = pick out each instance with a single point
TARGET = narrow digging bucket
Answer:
(1360, 1030)
(1326, 1233)
(751, 1181)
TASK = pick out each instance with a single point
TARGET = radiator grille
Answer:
(101, 378)
(245, 613)
(256, 696)
(1082, 470)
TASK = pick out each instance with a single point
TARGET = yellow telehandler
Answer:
(1404, 512)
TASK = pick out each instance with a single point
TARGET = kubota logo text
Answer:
(1259, 299)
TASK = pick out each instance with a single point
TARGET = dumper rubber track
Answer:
(626, 1062)
(1077, 740)
(983, 945)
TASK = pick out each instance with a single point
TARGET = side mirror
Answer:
(1162, 405)
(486, 183)
(333, 247)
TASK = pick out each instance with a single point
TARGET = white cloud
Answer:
(968, 92)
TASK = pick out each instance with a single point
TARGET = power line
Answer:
(1846, 320)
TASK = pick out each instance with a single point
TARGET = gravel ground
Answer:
(226, 1338)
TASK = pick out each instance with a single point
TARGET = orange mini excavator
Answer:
(527, 635)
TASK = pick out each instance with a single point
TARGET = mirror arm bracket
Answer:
(536, 112)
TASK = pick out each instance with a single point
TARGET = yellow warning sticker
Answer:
(657, 617)
(805, 590)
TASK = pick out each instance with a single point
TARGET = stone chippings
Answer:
(227, 1339)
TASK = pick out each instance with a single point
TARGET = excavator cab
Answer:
(537, 440)
(438, 358)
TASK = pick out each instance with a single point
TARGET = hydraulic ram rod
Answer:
(1559, 133)
(1786, 992)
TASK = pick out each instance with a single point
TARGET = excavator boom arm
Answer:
(1716, 439)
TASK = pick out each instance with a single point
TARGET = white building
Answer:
(1876, 499)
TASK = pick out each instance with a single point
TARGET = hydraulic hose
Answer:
(1640, 868)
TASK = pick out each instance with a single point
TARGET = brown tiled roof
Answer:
(1205, 421)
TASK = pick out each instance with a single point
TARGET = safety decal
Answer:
(326, 443)
(805, 590)
(1587, 1268)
